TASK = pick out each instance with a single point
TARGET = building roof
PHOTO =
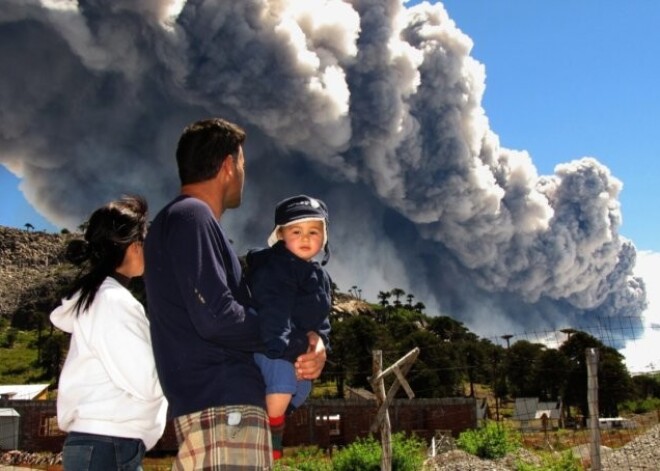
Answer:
(530, 408)
(22, 392)
(359, 393)
(8, 412)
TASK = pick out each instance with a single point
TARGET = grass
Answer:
(324, 390)
(19, 358)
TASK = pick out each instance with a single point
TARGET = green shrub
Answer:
(553, 462)
(304, 459)
(9, 338)
(365, 454)
(408, 453)
(491, 441)
(640, 406)
(17, 365)
(362, 454)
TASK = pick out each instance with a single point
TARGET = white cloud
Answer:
(644, 354)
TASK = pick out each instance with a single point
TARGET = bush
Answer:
(362, 454)
(641, 406)
(491, 441)
(407, 452)
(365, 455)
(564, 462)
(9, 339)
(304, 459)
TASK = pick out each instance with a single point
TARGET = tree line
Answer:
(452, 359)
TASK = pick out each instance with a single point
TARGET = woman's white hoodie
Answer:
(109, 385)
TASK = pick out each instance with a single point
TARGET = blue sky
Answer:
(570, 79)
(15, 210)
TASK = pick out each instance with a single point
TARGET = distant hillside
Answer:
(33, 273)
(32, 268)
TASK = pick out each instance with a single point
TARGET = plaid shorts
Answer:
(230, 438)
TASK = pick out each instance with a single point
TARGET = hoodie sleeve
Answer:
(314, 307)
(274, 294)
(63, 315)
(323, 329)
(122, 342)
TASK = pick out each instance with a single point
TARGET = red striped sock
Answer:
(277, 433)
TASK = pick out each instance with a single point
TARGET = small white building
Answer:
(536, 415)
(9, 423)
(611, 423)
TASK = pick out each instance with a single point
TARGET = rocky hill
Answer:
(30, 262)
(33, 273)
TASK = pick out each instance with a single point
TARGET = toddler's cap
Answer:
(301, 208)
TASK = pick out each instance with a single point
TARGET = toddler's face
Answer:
(303, 239)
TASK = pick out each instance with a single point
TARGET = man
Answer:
(203, 335)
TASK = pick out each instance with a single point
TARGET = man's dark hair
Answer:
(203, 147)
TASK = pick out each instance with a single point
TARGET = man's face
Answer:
(235, 186)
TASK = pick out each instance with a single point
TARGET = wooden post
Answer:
(592, 397)
(400, 369)
(385, 430)
(377, 380)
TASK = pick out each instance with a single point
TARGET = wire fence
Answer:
(629, 440)
(626, 441)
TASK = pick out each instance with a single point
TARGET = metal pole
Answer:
(592, 397)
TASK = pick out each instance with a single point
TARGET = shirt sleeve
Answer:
(201, 257)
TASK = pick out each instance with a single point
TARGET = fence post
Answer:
(385, 431)
(592, 397)
(382, 421)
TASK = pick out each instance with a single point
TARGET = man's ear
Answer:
(228, 165)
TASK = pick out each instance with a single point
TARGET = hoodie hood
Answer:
(64, 315)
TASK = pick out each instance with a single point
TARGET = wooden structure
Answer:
(338, 422)
(322, 422)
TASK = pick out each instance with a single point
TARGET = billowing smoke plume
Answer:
(370, 105)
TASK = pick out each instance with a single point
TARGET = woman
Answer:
(109, 399)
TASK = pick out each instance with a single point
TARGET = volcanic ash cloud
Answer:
(370, 105)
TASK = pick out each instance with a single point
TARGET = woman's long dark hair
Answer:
(110, 230)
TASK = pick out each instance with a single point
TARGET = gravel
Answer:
(642, 453)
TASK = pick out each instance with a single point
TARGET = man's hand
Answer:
(309, 365)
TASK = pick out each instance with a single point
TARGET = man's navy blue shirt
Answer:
(203, 337)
